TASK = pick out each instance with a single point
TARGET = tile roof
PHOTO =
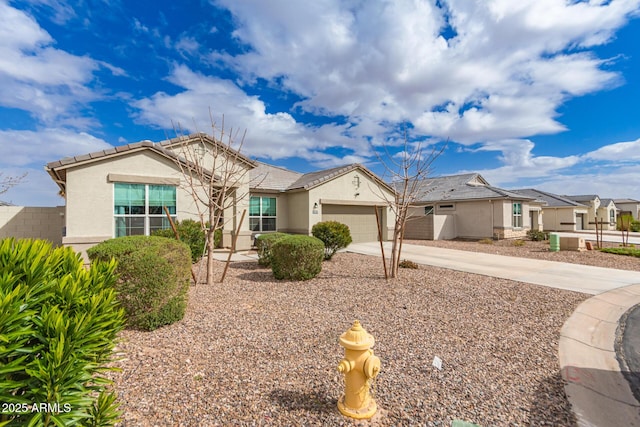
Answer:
(268, 177)
(581, 198)
(625, 201)
(551, 200)
(470, 186)
(312, 179)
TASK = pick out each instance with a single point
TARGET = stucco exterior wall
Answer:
(299, 212)
(90, 193)
(32, 223)
(634, 208)
(354, 188)
(444, 227)
(559, 219)
(604, 213)
(474, 219)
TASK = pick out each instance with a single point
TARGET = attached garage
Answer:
(361, 220)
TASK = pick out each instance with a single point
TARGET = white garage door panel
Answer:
(361, 220)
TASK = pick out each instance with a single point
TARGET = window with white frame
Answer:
(138, 209)
(517, 215)
(262, 213)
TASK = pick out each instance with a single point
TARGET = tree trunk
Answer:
(210, 242)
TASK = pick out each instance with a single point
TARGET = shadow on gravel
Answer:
(293, 400)
(551, 404)
(245, 265)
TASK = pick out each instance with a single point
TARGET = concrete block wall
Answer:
(32, 222)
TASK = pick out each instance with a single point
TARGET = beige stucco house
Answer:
(467, 206)
(628, 206)
(573, 213)
(348, 194)
(124, 191)
(603, 209)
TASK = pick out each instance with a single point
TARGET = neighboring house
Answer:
(467, 206)
(602, 209)
(559, 212)
(628, 206)
(123, 191)
(292, 202)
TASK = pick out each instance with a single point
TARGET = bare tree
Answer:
(7, 182)
(406, 171)
(214, 170)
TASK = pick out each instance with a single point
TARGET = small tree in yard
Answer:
(213, 171)
(7, 181)
(406, 172)
(335, 236)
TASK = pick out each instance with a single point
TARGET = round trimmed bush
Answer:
(297, 257)
(335, 236)
(153, 278)
(263, 245)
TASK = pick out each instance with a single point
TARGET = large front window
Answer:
(262, 213)
(138, 209)
(517, 215)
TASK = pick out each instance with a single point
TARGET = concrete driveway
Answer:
(574, 277)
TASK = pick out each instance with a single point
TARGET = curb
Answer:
(598, 391)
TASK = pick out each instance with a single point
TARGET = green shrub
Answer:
(333, 234)
(153, 276)
(629, 251)
(405, 263)
(264, 242)
(193, 235)
(486, 241)
(635, 226)
(297, 257)
(537, 236)
(518, 242)
(58, 327)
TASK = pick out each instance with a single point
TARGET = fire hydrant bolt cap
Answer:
(357, 338)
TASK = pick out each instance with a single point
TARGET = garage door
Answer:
(360, 219)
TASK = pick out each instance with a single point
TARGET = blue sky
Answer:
(533, 93)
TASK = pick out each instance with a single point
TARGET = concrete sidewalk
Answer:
(574, 277)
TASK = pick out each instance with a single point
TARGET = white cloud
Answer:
(30, 151)
(47, 82)
(269, 135)
(22, 147)
(618, 152)
(503, 72)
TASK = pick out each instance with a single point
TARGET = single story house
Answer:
(467, 206)
(628, 206)
(124, 191)
(602, 209)
(559, 212)
(294, 202)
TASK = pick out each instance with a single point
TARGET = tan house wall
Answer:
(474, 219)
(32, 223)
(634, 208)
(604, 212)
(298, 212)
(560, 219)
(444, 227)
(343, 189)
(89, 198)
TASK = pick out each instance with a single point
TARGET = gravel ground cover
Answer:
(256, 351)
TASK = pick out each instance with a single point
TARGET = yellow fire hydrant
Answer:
(360, 366)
